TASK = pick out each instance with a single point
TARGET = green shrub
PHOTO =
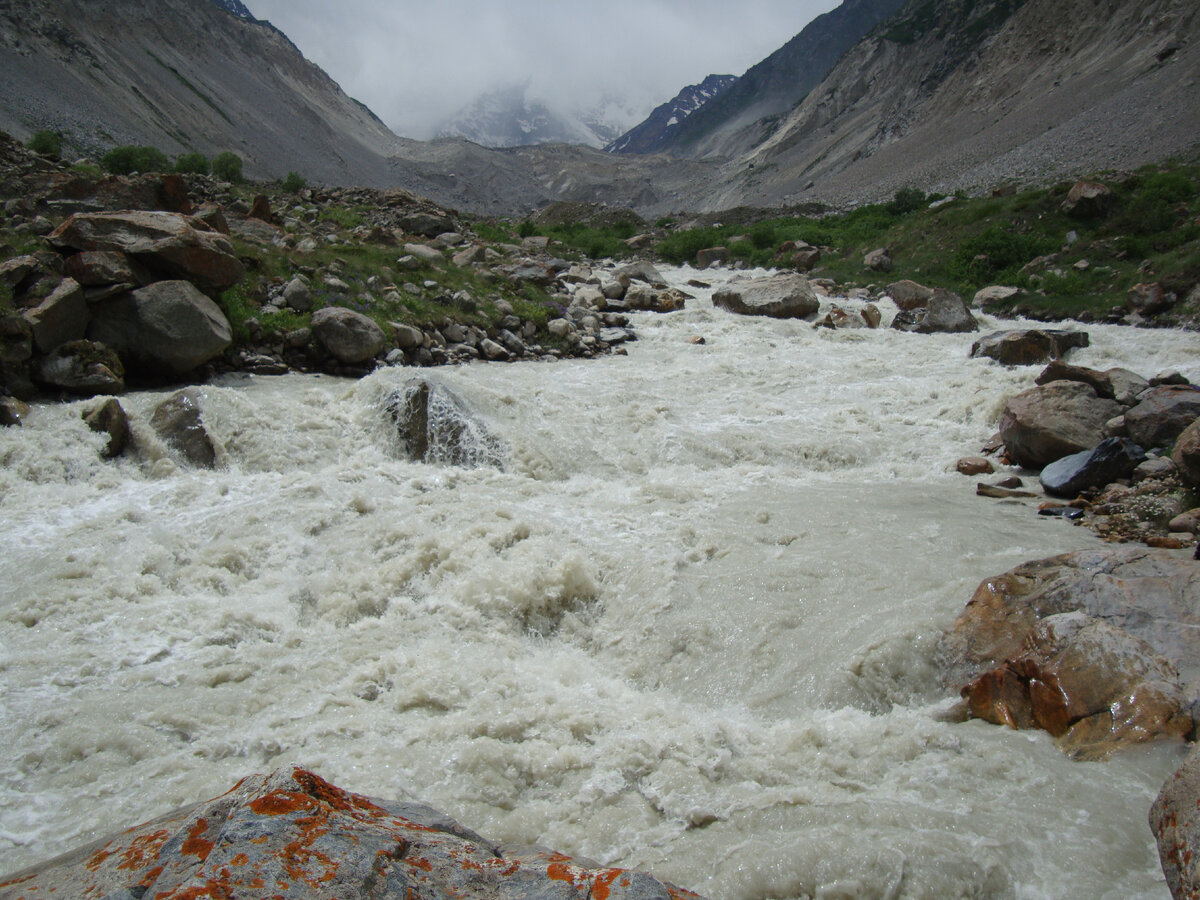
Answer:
(762, 236)
(996, 251)
(294, 183)
(227, 166)
(126, 159)
(906, 200)
(526, 229)
(192, 164)
(48, 143)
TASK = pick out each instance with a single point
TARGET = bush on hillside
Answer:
(294, 183)
(192, 164)
(227, 166)
(127, 159)
(48, 143)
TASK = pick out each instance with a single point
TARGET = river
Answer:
(689, 625)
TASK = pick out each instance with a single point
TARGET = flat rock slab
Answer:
(292, 834)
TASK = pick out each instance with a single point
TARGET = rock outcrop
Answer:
(1097, 647)
(292, 834)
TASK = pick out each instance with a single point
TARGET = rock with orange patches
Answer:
(293, 835)
(1175, 822)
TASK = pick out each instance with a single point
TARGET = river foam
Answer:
(689, 625)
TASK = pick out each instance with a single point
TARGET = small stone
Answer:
(974, 465)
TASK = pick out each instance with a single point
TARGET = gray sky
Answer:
(417, 63)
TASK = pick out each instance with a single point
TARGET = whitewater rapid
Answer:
(690, 625)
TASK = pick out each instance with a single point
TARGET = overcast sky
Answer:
(417, 63)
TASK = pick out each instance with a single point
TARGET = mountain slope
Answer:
(781, 80)
(965, 94)
(182, 75)
(657, 131)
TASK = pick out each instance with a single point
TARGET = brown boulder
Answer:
(1028, 347)
(178, 246)
(1186, 454)
(110, 418)
(1113, 384)
(943, 313)
(179, 421)
(1163, 414)
(1088, 200)
(1046, 423)
(711, 256)
(61, 317)
(907, 294)
(82, 367)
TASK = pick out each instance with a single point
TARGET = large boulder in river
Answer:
(168, 326)
(1027, 347)
(1051, 421)
(944, 312)
(435, 425)
(1162, 413)
(291, 834)
(348, 336)
(1114, 384)
(179, 421)
(1099, 647)
(779, 297)
(172, 244)
(907, 294)
(1175, 823)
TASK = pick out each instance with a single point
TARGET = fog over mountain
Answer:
(417, 65)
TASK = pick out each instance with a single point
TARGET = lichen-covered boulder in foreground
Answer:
(292, 834)
(1175, 822)
(1098, 647)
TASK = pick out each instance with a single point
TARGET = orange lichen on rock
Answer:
(196, 845)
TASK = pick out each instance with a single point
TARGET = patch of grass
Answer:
(495, 232)
(343, 217)
(590, 241)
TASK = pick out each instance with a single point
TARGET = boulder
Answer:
(1175, 823)
(1186, 453)
(12, 411)
(260, 208)
(1162, 415)
(175, 245)
(178, 420)
(711, 256)
(168, 326)
(1111, 459)
(1088, 200)
(804, 258)
(436, 426)
(1051, 421)
(297, 294)
(995, 293)
(61, 317)
(15, 270)
(82, 367)
(348, 336)
(907, 294)
(293, 835)
(1114, 384)
(99, 267)
(644, 298)
(879, 260)
(1027, 347)
(944, 312)
(779, 296)
(408, 337)
(425, 253)
(1148, 299)
(639, 270)
(974, 465)
(1095, 646)
(840, 318)
(110, 418)
(426, 224)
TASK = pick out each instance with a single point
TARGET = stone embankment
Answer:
(293, 835)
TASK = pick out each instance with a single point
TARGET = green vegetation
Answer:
(592, 242)
(342, 216)
(47, 143)
(294, 183)
(192, 163)
(126, 159)
(228, 167)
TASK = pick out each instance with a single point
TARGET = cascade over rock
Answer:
(436, 426)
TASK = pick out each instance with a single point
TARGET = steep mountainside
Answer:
(182, 75)
(779, 81)
(969, 93)
(656, 133)
(236, 7)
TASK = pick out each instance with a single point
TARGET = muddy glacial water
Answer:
(690, 623)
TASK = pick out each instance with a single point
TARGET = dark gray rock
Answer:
(1109, 460)
(168, 326)
(1162, 414)
(82, 367)
(178, 420)
(436, 426)
(61, 317)
(944, 312)
(348, 336)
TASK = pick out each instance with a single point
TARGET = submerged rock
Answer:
(436, 426)
(292, 834)
(110, 418)
(179, 422)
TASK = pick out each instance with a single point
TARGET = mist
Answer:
(416, 65)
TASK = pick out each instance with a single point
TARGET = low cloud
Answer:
(416, 65)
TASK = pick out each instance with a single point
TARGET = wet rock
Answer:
(1111, 459)
(944, 312)
(12, 411)
(436, 426)
(82, 367)
(974, 465)
(293, 835)
(999, 492)
(110, 418)
(907, 294)
(61, 317)
(1112, 673)
(178, 246)
(1115, 384)
(781, 297)
(179, 421)
(348, 336)
(871, 315)
(1028, 347)
(640, 270)
(1054, 420)
(1175, 823)
(1162, 414)
(168, 326)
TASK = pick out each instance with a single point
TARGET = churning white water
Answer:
(691, 625)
